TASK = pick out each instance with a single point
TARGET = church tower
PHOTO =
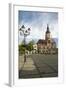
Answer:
(47, 34)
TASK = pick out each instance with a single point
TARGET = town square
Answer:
(38, 45)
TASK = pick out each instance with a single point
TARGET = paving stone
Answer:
(36, 67)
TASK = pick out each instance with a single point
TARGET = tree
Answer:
(21, 49)
(30, 46)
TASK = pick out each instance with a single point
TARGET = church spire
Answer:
(47, 29)
(47, 35)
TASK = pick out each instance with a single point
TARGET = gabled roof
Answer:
(41, 41)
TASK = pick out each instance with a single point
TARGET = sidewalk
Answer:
(27, 69)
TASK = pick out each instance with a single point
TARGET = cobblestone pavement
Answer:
(38, 65)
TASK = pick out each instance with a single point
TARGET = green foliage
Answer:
(23, 47)
(30, 46)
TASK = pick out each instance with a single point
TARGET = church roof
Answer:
(47, 29)
(41, 41)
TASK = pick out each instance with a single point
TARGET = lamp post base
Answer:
(24, 58)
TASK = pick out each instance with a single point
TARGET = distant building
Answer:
(35, 48)
(48, 45)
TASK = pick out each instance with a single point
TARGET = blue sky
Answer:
(38, 21)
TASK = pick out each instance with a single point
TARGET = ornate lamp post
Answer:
(25, 33)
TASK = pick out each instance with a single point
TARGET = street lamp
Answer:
(25, 33)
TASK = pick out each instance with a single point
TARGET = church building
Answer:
(48, 44)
